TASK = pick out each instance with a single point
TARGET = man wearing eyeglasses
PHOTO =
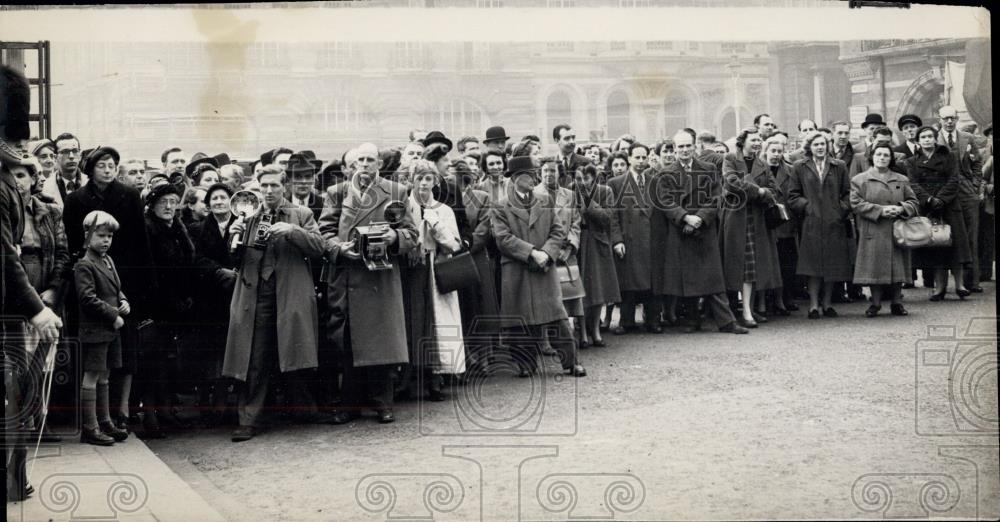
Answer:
(68, 159)
(970, 168)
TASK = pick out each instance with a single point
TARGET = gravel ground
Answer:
(836, 418)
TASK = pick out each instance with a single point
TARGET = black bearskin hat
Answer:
(15, 102)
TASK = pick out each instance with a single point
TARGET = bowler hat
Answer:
(199, 158)
(520, 164)
(160, 191)
(873, 119)
(909, 118)
(300, 165)
(495, 134)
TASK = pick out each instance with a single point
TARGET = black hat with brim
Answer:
(199, 159)
(96, 154)
(160, 191)
(873, 119)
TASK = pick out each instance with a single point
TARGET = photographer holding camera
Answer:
(271, 328)
(365, 292)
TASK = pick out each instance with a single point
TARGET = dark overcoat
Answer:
(879, 260)
(597, 261)
(130, 248)
(782, 182)
(528, 297)
(99, 292)
(368, 303)
(215, 282)
(173, 257)
(630, 225)
(938, 176)
(692, 263)
(741, 191)
(296, 306)
(480, 301)
(827, 236)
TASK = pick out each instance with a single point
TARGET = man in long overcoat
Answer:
(630, 239)
(273, 315)
(686, 208)
(530, 238)
(366, 307)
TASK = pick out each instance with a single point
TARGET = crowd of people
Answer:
(326, 288)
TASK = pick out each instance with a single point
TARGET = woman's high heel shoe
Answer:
(962, 293)
(937, 297)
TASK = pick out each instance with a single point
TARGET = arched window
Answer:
(728, 126)
(676, 112)
(618, 115)
(456, 118)
(558, 109)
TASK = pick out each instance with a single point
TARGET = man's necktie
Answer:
(642, 182)
(951, 141)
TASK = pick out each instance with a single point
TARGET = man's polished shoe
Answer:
(619, 330)
(342, 417)
(976, 289)
(654, 328)
(897, 309)
(577, 370)
(385, 417)
(746, 324)
(872, 311)
(95, 437)
(829, 312)
(759, 317)
(244, 433)
(734, 328)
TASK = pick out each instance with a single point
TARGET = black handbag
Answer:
(776, 215)
(455, 272)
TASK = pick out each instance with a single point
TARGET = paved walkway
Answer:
(126, 482)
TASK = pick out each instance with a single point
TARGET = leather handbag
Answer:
(570, 282)
(776, 215)
(455, 272)
(920, 231)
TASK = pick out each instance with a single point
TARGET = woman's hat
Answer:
(160, 191)
(909, 118)
(213, 188)
(34, 147)
(519, 164)
(95, 154)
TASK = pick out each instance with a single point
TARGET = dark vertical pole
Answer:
(47, 82)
